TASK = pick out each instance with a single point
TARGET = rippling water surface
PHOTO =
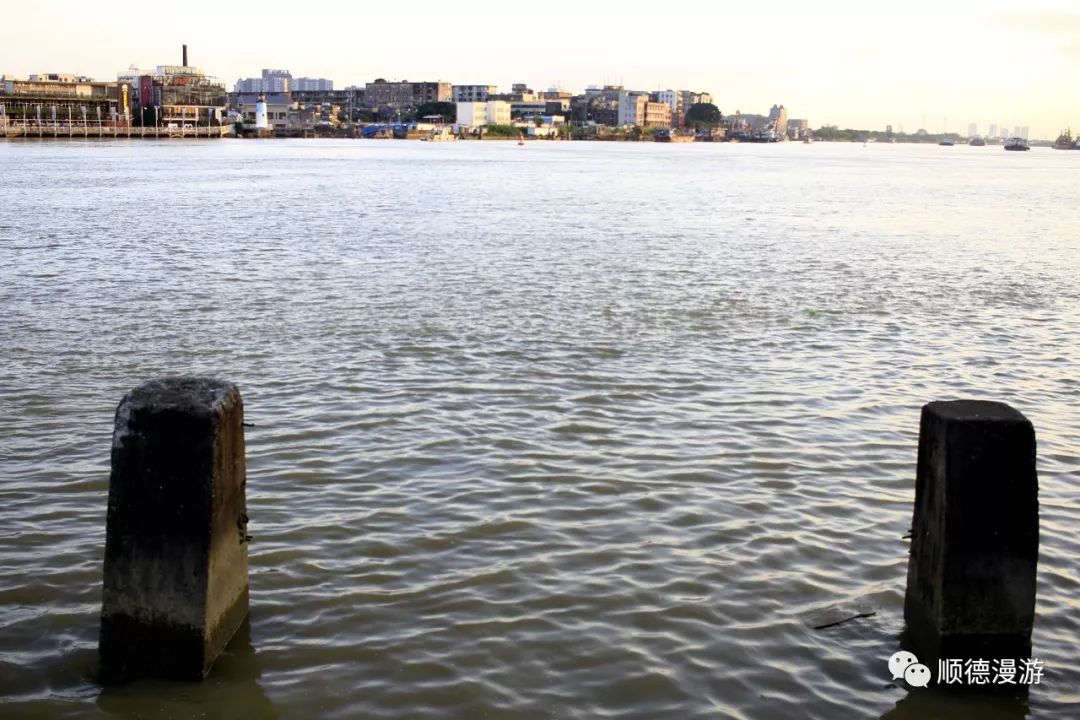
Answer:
(574, 430)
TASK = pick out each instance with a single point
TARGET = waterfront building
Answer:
(973, 130)
(799, 129)
(778, 119)
(66, 99)
(632, 108)
(748, 122)
(657, 115)
(180, 95)
(689, 98)
(284, 112)
(498, 112)
(673, 100)
(680, 101)
(1022, 131)
(473, 93)
(993, 132)
(597, 106)
(395, 98)
(472, 115)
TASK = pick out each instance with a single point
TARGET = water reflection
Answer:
(922, 703)
(232, 690)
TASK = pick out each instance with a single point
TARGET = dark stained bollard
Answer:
(975, 536)
(176, 578)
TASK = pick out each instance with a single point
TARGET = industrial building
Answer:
(179, 95)
(63, 98)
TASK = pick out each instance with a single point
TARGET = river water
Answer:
(569, 430)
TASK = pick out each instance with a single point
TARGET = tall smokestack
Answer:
(185, 55)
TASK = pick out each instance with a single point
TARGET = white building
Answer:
(272, 81)
(305, 84)
(477, 114)
(673, 99)
(632, 108)
(778, 117)
(471, 114)
(498, 112)
(473, 93)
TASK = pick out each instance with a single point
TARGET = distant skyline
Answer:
(939, 65)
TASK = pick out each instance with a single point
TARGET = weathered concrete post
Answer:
(975, 536)
(176, 579)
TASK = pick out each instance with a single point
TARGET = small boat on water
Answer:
(947, 142)
(1017, 143)
(443, 134)
(669, 135)
(977, 142)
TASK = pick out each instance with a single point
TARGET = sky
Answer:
(920, 64)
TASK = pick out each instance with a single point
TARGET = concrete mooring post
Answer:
(176, 577)
(975, 535)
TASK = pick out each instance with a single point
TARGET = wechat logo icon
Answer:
(906, 666)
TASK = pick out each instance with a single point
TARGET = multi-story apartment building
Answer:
(656, 115)
(473, 93)
(798, 129)
(498, 112)
(778, 119)
(674, 100)
(305, 84)
(598, 105)
(632, 108)
(271, 81)
(403, 95)
(471, 115)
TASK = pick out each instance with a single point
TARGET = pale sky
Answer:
(939, 64)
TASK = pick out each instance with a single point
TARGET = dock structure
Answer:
(75, 131)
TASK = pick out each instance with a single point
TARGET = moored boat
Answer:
(1065, 140)
(669, 135)
(977, 142)
(1017, 143)
(442, 134)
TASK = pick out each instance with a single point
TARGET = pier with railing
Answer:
(14, 130)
